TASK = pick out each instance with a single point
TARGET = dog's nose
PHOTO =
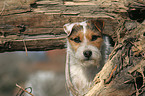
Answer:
(87, 53)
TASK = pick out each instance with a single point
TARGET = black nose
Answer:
(87, 53)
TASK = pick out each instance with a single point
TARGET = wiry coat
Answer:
(84, 55)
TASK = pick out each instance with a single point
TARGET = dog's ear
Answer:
(68, 28)
(99, 24)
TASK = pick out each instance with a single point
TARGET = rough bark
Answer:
(123, 74)
(43, 20)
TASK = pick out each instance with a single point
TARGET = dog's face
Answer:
(85, 40)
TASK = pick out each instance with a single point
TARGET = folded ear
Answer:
(99, 24)
(68, 28)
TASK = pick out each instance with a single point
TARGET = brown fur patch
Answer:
(97, 42)
(77, 31)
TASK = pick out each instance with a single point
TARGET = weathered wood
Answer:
(33, 44)
(45, 18)
(8, 7)
(39, 25)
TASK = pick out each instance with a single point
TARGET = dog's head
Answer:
(85, 39)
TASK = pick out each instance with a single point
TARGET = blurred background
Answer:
(41, 70)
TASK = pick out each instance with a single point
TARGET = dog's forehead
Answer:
(82, 24)
(94, 26)
(85, 27)
(68, 27)
(77, 26)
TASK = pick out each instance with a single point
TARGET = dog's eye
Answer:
(77, 40)
(94, 37)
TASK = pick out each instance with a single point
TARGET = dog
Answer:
(84, 54)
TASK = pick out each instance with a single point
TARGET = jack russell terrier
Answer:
(85, 54)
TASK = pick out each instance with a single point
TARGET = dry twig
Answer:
(24, 90)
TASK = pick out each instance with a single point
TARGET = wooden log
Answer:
(34, 44)
(8, 7)
(39, 25)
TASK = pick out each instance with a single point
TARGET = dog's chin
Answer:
(88, 62)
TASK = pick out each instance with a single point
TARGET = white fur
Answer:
(96, 55)
(78, 67)
(68, 28)
(84, 24)
(82, 71)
